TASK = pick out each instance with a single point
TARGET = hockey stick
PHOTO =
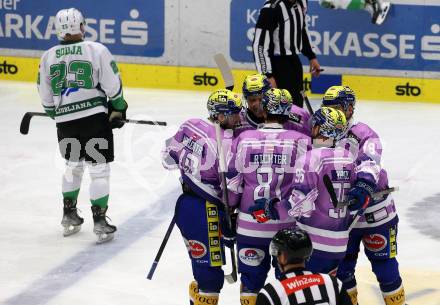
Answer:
(376, 196)
(307, 102)
(26, 120)
(161, 248)
(225, 70)
(228, 78)
(331, 191)
(232, 277)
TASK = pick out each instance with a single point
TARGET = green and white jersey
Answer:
(75, 80)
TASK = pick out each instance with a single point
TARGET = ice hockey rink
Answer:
(39, 266)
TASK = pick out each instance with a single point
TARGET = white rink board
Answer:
(39, 266)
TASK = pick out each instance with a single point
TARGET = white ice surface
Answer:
(39, 266)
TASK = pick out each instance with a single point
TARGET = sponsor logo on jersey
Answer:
(408, 90)
(6, 68)
(205, 80)
(196, 248)
(296, 283)
(192, 145)
(341, 174)
(295, 118)
(375, 242)
(251, 256)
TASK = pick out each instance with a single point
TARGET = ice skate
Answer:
(380, 11)
(384, 9)
(71, 220)
(102, 228)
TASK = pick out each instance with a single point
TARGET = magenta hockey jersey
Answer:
(261, 165)
(310, 201)
(193, 150)
(299, 120)
(365, 144)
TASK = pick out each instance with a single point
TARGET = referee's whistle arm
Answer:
(315, 68)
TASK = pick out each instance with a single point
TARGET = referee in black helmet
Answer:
(280, 34)
(296, 285)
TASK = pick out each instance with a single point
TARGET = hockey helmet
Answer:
(68, 21)
(339, 96)
(223, 101)
(295, 242)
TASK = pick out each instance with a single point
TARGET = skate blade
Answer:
(70, 230)
(104, 237)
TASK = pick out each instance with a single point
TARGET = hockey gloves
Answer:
(264, 210)
(359, 193)
(229, 234)
(116, 117)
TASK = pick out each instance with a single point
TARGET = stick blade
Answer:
(152, 269)
(25, 121)
(225, 70)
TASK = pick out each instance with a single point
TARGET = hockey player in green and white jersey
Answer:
(377, 8)
(80, 87)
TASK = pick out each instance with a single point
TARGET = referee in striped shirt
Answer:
(280, 34)
(296, 285)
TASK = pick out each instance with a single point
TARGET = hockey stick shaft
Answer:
(376, 196)
(161, 248)
(331, 191)
(25, 121)
(359, 213)
(232, 277)
(307, 102)
(228, 78)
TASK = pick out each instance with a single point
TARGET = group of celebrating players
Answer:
(277, 156)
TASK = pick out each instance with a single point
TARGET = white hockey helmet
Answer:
(68, 21)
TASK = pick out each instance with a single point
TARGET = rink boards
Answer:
(206, 79)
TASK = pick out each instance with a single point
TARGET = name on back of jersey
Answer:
(272, 159)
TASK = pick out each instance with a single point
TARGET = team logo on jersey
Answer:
(375, 242)
(196, 248)
(343, 174)
(251, 256)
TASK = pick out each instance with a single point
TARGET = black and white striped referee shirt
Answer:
(281, 31)
(298, 286)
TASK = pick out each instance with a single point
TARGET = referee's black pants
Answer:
(288, 73)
